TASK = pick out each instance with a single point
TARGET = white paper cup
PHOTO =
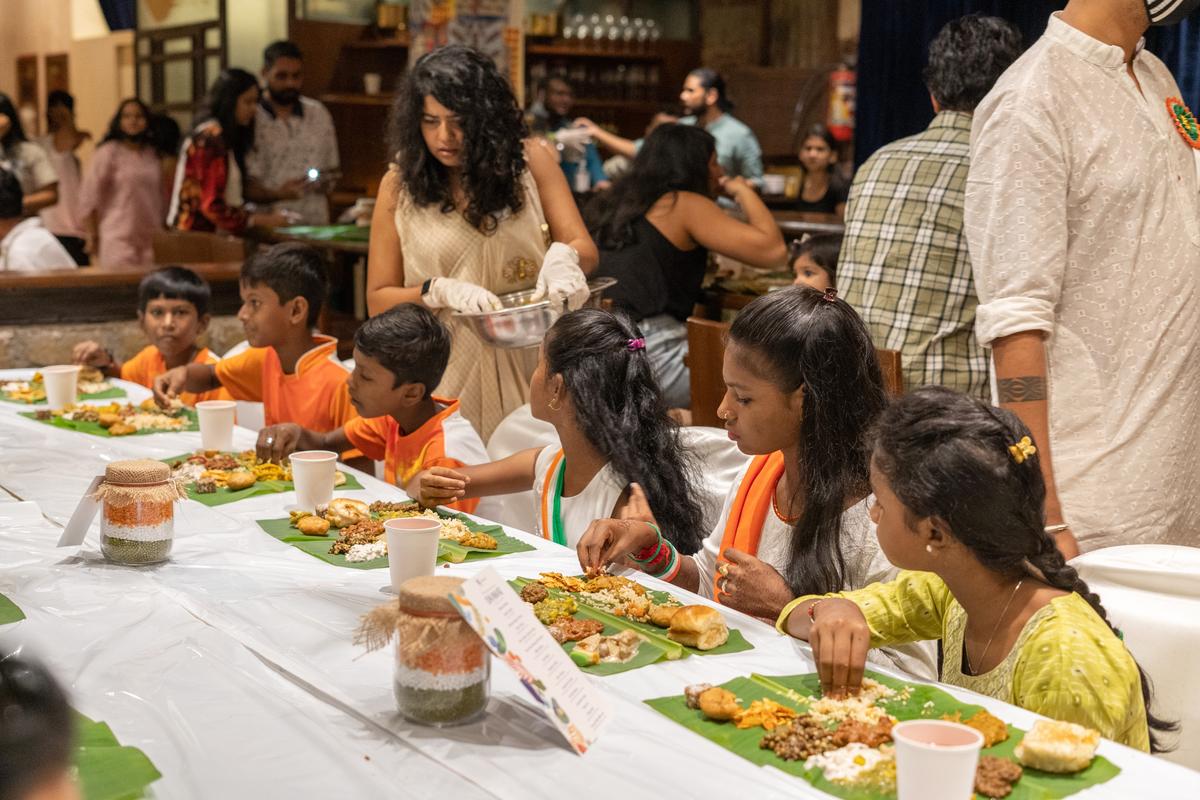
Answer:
(62, 383)
(412, 544)
(216, 424)
(313, 472)
(372, 82)
(935, 759)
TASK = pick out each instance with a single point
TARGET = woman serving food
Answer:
(470, 210)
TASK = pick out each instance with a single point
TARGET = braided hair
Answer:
(620, 410)
(947, 455)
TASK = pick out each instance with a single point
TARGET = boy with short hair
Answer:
(293, 372)
(173, 313)
(37, 732)
(399, 357)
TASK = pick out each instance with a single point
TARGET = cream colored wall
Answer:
(249, 27)
(101, 69)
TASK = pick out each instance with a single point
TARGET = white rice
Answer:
(845, 764)
(367, 552)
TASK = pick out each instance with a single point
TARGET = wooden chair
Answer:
(706, 353)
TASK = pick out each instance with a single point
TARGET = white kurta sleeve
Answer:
(1015, 218)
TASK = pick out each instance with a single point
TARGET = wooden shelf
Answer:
(349, 99)
(399, 43)
(575, 51)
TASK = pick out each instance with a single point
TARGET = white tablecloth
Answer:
(232, 665)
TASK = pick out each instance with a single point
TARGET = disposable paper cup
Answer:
(412, 548)
(313, 472)
(372, 83)
(62, 383)
(935, 759)
(216, 424)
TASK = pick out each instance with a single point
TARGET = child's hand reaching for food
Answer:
(437, 486)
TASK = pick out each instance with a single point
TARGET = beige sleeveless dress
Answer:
(489, 382)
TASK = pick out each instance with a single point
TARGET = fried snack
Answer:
(614, 583)
(691, 694)
(480, 540)
(339, 479)
(366, 532)
(1054, 746)
(108, 420)
(569, 629)
(701, 627)
(661, 616)
(552, 609)
(121, 429)
(270, 472)
(383, 507)
(313, 526)
(344, 512)
(206, 486)
(994, 777)
(242, 479)
(799, 739)
(534, 592)
(556, 580)
(765, 713)
(852, 730)
(719, 704)
(993, 728)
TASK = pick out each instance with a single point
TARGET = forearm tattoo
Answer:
(1026, 389)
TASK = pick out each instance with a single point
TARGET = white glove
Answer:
(561, 279)
(460, 296)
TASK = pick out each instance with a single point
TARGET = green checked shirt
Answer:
(904, 264)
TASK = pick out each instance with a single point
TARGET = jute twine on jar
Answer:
(138, 481)
(424, 618)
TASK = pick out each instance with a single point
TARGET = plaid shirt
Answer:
(904, 264)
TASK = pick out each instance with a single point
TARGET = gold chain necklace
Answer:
(996, 627)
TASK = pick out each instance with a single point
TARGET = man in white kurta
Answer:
(1083, 221)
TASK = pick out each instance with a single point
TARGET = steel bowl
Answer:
(522, 323)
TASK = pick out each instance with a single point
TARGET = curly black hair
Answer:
(621, 412)
(801, 339)
(937, 448)
(468, 83)
(966, 58)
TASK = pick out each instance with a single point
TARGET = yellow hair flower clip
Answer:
(1022, 450)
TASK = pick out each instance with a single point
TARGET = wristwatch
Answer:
(425, 286)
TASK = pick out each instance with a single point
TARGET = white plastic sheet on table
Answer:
(232, 665)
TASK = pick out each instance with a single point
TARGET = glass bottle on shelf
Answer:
(641, 33)
(655, 31)
(596, 31)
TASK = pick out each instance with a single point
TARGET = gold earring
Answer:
(929, 549)
(554, 404)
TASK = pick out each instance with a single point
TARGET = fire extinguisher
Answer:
(840, 119)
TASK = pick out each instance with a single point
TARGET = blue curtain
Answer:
(892, 100)
(121, 15)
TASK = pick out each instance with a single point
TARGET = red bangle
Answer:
(812, 609)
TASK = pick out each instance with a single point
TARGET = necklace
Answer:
(996, 627)
(780, 514)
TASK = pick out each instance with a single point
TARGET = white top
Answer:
(31, 164)
(30, 247)
(285, 148)
(597, 500)
(64, 217)
(865, 564)
(1083, 221)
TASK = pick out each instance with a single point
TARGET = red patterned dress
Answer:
(208, 186)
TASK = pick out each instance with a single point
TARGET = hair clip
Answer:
(830, 295)
(1022, 450)
(636, 344)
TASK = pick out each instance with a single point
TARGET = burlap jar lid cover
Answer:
(139, 479)
(426, 598)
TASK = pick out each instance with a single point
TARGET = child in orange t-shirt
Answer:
(173, 312)
(399, 356)
(294, 373)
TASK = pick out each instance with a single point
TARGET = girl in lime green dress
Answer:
(959, 506)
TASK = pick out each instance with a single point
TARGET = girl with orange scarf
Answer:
(803, 386)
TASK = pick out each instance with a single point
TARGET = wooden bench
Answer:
(706, 354)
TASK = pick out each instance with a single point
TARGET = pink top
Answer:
(124, 187)
(63, 218)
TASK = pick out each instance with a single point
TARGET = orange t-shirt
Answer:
(445, 440)
(315, 396)
(149, 363)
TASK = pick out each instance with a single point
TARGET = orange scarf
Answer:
(743, 530)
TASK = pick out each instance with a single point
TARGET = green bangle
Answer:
(670, 564)
(654, 552)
